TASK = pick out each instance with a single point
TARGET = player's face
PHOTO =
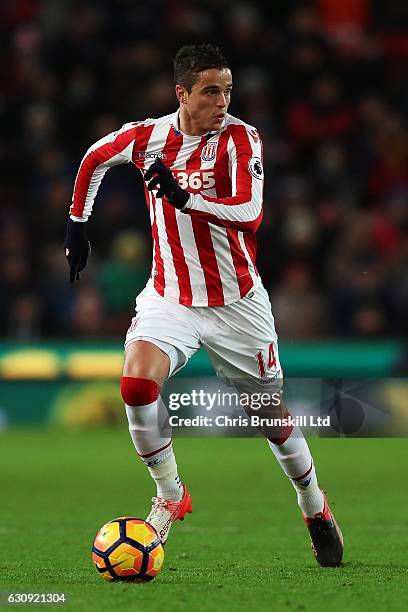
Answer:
(203, 108)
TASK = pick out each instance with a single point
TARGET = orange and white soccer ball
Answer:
(127, 548)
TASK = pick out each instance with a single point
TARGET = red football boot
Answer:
(164, 512)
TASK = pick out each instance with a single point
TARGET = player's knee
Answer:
(139, 391)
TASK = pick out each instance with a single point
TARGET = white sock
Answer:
(148, 427)
(155, 449)
(168, 483)
(296, 461)
(310, 497)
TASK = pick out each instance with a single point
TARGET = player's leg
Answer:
(145, 369)
(292, 452)
(158, 343)
(243, 346)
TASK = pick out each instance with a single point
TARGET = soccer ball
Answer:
(127, 548)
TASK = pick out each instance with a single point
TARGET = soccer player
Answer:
(204, 183)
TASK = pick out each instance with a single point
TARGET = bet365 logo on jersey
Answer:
(195, 180)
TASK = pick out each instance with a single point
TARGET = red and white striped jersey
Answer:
(203, 255)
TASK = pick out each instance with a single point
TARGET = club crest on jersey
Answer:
(209, 152)
(255, 167)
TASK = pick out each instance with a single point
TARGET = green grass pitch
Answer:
(243, 547)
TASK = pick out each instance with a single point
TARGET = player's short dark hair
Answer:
(193, 59)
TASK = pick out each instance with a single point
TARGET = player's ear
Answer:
(181, 94)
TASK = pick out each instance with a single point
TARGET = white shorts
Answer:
(239, 338)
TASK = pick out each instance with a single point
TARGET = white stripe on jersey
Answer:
(171, 288)
(151, 213)
(251, 268)
(225, 262)
(232, 168)
(189, 246)
(188, 243)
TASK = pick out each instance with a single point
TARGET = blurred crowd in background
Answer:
(325, 83)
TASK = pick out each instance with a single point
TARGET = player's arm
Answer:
(243, 209)
(114, 149)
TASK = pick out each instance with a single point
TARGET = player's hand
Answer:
(77, 248)
(159, 174)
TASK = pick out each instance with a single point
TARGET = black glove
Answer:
(168, 185)
(77, 248)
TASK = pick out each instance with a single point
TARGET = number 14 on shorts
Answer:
(271, 360)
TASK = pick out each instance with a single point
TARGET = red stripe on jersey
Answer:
(223, 187)
(171, 150)
(158, 280)
(244, 279)
(221, 170)
(172, 147)
(242, 144)
(143, 137)
(139, 149)
(203, 240)
(140, 146)
(94, 159)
